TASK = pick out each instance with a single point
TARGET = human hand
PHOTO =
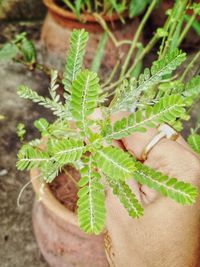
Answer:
(168, 233)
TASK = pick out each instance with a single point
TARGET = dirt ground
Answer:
(18, 247)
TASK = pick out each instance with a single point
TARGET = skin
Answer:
(168, 233)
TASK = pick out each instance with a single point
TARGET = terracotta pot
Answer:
(69, 20)
(59, 23)
(60, 240)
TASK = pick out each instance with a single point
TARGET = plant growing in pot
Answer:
(186, 17)
(63, 16)
(81, 145)
(22, 50)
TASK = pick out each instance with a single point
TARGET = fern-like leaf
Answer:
(42, 125)
(68, 150)
(61, 129)
(192, 88)
(85, 90)
(126, 197)
(167, 109)
(114, 162)
(194, 141)
(149, 78)
(74, 60)
(20, 131)
(50, 170)
(30, 157)
(179, 191)
(53, 86)
(57, 108)
(91, 206)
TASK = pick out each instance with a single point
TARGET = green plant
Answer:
(91, 151)
(170, 36)
(20, 131)
(20, 48)
(194, 138)
(134, 7)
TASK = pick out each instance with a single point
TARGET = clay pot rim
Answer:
(49, 200)
(53, 7)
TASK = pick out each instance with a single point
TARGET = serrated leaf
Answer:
(114, 162)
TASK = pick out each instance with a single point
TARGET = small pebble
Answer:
(3, 172)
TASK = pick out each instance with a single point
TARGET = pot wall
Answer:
(65, 245)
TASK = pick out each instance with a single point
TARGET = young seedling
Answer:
(92, 152)
(19, 49)
(134, 7)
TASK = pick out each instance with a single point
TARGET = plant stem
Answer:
(37, 66)
(145, 51)
(70, 6)
(43, 68)
(165, 28)
(189, 66)
(151, 43)
(136, 37)
(176, 15)
(105, 27)
(70, 177)
(186, 29)
(99, 53)
(24, 187)
(112, 74)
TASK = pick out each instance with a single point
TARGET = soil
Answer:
(64, 188)
(61, 4)
(18, 247)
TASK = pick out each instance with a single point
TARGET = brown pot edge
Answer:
(53, 8)
(49, 201)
